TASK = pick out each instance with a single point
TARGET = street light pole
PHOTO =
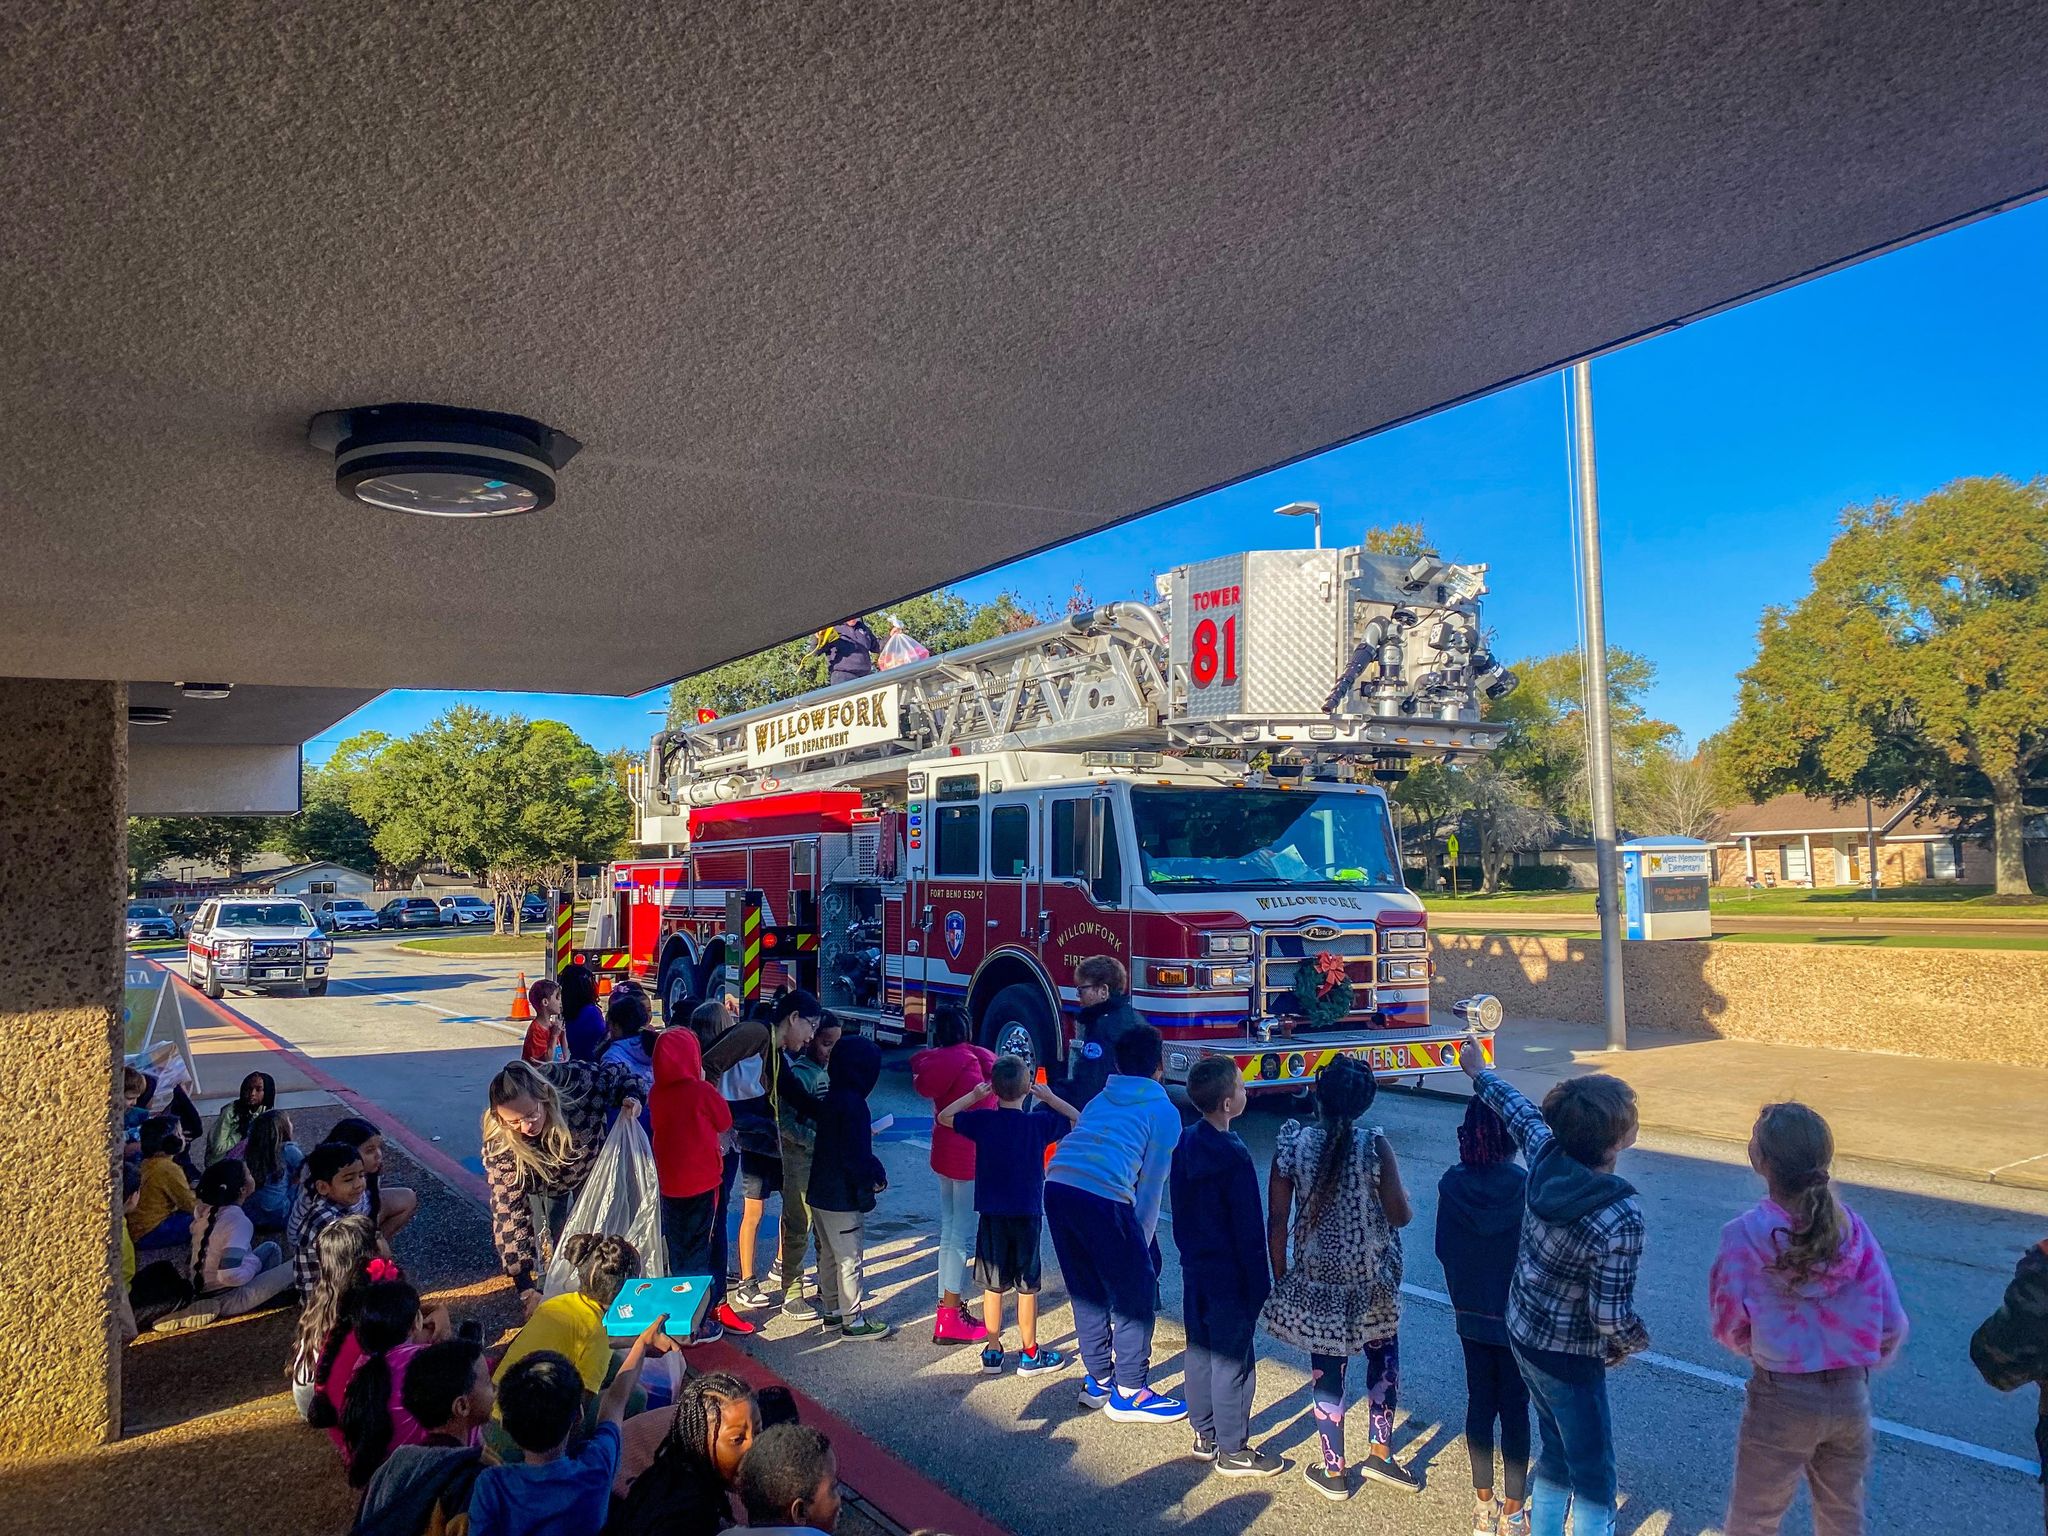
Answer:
(1312, 509)
(1599, 723)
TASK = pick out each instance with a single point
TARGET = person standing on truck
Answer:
(849, 649)
(1103, 988)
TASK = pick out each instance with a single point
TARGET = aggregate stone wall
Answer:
(1954, 1004)
(63, 874)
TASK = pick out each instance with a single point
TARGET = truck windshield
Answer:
(269, 914)
(1246, 838)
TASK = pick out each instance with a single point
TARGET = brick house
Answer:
(1796, 840)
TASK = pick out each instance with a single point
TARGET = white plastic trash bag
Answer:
(899, 649)
(620, 1197)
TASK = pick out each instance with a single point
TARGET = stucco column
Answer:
(63, 880)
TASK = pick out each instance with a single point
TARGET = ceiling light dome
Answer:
(438, 461)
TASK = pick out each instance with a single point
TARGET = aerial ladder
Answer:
(1326, 653)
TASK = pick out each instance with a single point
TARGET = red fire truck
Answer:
(1193, 787)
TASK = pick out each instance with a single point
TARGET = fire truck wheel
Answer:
(676, 998)
(1018, 1023)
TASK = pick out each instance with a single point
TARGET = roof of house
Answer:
(271, 877)
(1791, 815)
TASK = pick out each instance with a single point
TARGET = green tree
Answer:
(1430, 800)
(148, 846)
(327, 827)
(1676, 793)
(1545, 747)
(1918, 662)
(223, 840)
(940, 621)
(1398, 539)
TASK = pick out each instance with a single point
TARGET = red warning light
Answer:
(706, 716)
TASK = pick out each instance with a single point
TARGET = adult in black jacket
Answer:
(1106, 1016)
(1478, 1231)
(849, 648)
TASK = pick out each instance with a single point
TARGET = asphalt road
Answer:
(420, 1036)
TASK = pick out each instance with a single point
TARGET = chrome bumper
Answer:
(1293, 1061)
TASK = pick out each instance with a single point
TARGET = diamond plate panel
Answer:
(1287, 652)
(1208, 592)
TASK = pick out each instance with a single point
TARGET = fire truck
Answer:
(1193, 786)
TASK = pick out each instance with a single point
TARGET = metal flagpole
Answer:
(1599, 724)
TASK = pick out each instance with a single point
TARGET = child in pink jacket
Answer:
(1801, 1290)
(942, 1074)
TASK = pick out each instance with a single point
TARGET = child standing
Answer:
(1801, 1289)
(690, 1122)
(1479, 1204)
(1341, 1294)
(845, 1174)
(942, 1074)
(1219, 1227)
(544, 1040)
(1009, 1200)
(545, 1490)
(2010, 1347)
(1103, 1192)
(1571, 1302)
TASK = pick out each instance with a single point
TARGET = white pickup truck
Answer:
(265, 944)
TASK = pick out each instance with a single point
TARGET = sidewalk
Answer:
(1964, 1119)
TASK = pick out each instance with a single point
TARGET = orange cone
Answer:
(604, 988)
(522, 1010)
(1049, 1150)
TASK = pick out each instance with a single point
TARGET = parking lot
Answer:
(419, 1036)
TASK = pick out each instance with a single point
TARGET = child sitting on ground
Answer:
(342, 1256)
(162, 1217)
(360, 1404)
(1336, 1192)
(275, 1162)
(1571, 1303)
(789, 1483)
(230, 1134)
(1009, 1145)
(572, 1325)
(1103, 1192)
(231, 1271)
(677, 1467)
(845, 1175)
(389, 1207)
(1220, 1228)
(546, 1490)
(331, 1188)
(1479, 1205)
(1801, 1290)
(424, 1489)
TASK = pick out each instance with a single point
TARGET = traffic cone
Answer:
(604, 988)
(522, 1010)
(1042, 1080)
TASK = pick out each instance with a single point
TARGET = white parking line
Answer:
(1891, 1427)
(420, 1002)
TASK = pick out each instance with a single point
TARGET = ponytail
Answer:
(1345, 1090)
(1795, 1147)
(391, 1310)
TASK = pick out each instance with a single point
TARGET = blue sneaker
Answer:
(1128, 1408)
(1045, 1359)
(1093, 1393)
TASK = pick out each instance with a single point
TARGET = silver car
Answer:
(262, 944)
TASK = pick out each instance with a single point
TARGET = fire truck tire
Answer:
(677, 992)
(1018, 1023)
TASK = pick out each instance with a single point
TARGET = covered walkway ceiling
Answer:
(847, 300)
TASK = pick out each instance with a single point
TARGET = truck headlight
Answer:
(1404, 970)
(1404, 938)
(1226, 943)
(1225, 976)
(319, 949)
(234, 949)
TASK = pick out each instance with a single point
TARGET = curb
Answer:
(883, 1483)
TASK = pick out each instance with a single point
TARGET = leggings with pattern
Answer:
(1382, 1390)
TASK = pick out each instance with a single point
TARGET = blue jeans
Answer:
(1574, 1470)
(957, 1226)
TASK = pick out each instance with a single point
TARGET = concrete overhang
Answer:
(844, 300)
(234, 756)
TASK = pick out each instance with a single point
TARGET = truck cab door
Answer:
(956, 891)
(1082, 892)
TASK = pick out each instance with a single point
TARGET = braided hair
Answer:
(1345, 1090)
(603, 1265)
(1483, 1139)
(268, 1134)
(219, 1188)
(681, 1489)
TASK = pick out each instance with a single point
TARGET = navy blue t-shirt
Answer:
(1009, 1157)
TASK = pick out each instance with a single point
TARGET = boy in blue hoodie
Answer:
(1102, 1198)
(845, 1173)
(1219, 1226)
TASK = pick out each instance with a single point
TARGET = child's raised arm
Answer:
(611, 1408)
(1044, 1094)
(965, 1102)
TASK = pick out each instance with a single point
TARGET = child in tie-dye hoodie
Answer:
(1802, 1291)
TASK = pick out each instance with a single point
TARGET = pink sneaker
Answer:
(953, 1326)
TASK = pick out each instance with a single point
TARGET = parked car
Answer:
(266, 945)
(465, 911)
(533, 909)
(347, 914)
(147, 922)
(180, 913)
(409, 912)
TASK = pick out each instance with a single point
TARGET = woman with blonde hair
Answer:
(1801, 1290)
(543, 1126)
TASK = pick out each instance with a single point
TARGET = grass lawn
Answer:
(1974, 902)
(2026, 941)
(476, 944)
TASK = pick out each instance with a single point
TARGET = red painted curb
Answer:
(890, 1484)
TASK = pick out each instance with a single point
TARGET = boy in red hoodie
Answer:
(690, 1118)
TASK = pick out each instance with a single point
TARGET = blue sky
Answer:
(1727, 451)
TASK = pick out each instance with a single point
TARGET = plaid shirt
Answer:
(1574, 1286)
(590, 1092)
(311, 1214)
